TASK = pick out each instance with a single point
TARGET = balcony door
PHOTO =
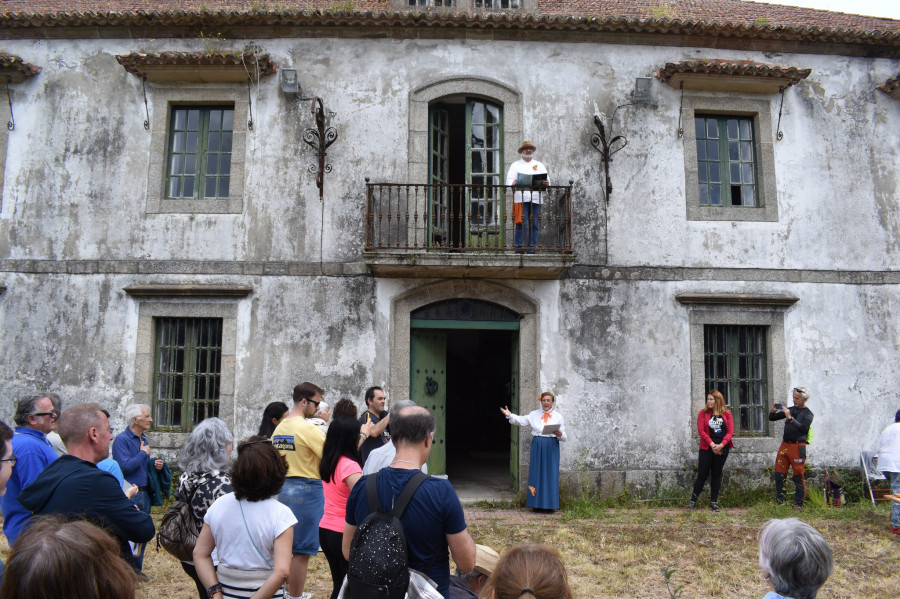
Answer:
(466, 170)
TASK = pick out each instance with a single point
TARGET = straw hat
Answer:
(527, 144)
(485, 558)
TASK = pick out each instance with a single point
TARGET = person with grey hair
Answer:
(792, 452)
(73, 485)
(35, 417)
(132, 451)
(381, 457)
(794, 557)
(58, 446)
(204, 459)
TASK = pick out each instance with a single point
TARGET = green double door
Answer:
(429, 384)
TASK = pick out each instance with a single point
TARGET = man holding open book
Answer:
(528, 176)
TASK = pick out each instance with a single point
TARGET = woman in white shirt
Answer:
(251, 531)
(542, 493)
(889, 464)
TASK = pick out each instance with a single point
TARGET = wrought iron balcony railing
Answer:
(467, 218)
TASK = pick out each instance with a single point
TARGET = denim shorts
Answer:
(307, 501)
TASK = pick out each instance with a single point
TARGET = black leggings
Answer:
(192, 572)
(331, 546)
(708, 463)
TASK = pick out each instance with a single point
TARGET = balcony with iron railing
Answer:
(423, 230)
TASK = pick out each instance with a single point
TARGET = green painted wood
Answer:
(439, 166)
(428, 388)
(514, 406)
(482, 325)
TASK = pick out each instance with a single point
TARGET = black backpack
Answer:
(379, 564)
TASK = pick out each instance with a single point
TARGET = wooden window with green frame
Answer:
(726, 160)
(200, 144)
(466, 148)
(187, 371)
(735, 361)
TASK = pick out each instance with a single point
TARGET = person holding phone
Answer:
(716, 428)
(547, 430)
(792, 452)
(527, 200)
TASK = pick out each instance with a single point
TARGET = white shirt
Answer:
(532, 167)
(889, 449)
(265, 520)
(535, 420)
(382, 457)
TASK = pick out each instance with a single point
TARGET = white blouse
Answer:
(535, 420)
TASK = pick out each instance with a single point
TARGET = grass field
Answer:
(619, 552)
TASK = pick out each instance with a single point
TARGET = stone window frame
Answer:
(760, 110)
(420, 100)
(151, 309)
(162, 99)
(776, 362)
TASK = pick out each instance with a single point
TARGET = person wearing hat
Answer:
(468, 585)
(527, 202)
(792, 452)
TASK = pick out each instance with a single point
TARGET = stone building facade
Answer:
(163, 237)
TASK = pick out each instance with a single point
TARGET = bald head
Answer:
(84, 429)
(411, 426)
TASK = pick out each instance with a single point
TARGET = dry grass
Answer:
(619, 552)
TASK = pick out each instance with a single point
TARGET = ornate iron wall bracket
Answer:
(604, 146)
(11, 123)
(320, 139)
(146, 108)
(780, 134)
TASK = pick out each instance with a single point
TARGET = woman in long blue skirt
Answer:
(547, 430)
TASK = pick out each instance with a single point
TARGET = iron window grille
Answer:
(735, 362)
(187, 371)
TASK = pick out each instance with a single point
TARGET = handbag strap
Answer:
(247, 528)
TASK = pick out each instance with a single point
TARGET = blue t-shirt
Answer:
(433, 513)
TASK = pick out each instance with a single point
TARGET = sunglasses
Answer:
(54, 414)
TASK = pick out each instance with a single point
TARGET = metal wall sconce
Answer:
(318, 138)
(290, 84)
(604, 144)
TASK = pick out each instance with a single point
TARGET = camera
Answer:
(778, 406)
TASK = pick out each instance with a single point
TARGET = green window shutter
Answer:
(199, 156)
(735, 359)
(726, 160)
(187, 371)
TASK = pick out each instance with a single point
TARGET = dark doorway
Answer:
(479, 381)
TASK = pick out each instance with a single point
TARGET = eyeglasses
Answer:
(54, 414)
(11, 459)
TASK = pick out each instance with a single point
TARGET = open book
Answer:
(528, 180)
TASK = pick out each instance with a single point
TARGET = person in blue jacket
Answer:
(74, 487)
(35, 417)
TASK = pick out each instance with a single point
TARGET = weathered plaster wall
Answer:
(616, 350)
(836, 170)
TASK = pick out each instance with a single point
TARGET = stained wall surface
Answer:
(610, 337)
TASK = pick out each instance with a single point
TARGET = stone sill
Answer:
(469, 265)
(188, 290)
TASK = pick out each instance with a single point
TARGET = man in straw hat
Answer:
(526, 173)
(468, 585)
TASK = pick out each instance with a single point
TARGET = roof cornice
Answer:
(291, 23)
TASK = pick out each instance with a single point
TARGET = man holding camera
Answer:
(792, 453)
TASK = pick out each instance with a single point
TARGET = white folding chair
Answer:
(868, 464)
